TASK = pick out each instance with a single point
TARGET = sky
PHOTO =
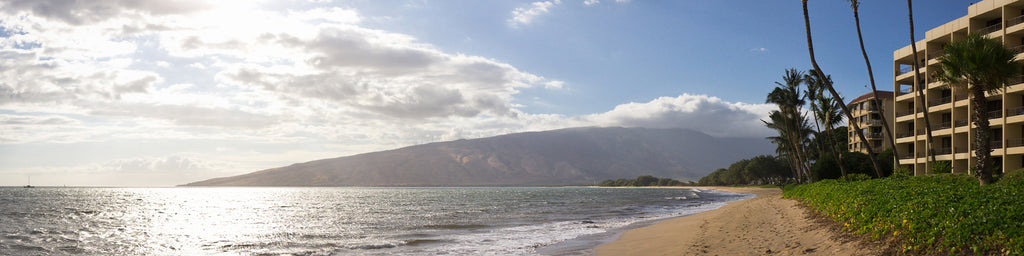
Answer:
(162, 93)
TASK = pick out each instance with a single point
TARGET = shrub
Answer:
(1013, 178)
(942, 167)
(933, 214)
(859, 177)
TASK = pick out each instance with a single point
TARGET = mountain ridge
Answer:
(572, 156)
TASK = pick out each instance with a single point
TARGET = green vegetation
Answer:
(757, 170)
(643, 181)
(933, 214)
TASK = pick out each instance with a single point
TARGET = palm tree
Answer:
(792, 139)
(983, 65)
(855, 4)
(827, 113)
(789, 120)
(835, 95)
(919, 87)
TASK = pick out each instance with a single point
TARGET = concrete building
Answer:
(948, 107)
(869, 118)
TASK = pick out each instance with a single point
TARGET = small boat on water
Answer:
(29, 183)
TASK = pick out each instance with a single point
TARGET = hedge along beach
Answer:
(766, 224)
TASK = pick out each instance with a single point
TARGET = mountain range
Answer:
(574, 156)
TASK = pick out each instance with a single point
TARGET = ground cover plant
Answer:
(947, 214)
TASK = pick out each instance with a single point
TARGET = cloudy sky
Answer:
(160, 93)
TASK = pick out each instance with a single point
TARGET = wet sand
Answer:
(764, 225)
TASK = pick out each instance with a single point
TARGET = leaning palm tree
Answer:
(855, 4)
(835, 95)
(983, 65)
(919, 87)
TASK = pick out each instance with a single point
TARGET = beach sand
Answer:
(764, 225)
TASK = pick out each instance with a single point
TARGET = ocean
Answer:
(333, 221)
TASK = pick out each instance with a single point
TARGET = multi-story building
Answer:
(869, 118)
(948, 108)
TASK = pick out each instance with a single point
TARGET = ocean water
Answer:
(332, 221)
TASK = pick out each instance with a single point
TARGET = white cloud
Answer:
(591, 2)
(525, 15)
(703, 113)
(759, 49)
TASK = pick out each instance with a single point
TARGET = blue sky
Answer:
(153, 93)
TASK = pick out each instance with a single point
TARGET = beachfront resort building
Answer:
(869, 118)
(948, 108)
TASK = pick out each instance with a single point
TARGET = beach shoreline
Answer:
(765, 224)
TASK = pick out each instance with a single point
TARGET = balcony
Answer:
(940, 101)
(903, 113)
(960, 97)
(905, 70)
(904, 134)
(906, 88)
(911, 156)
(1015, 80)
(995, 114)
(875, 122)
(1019, 142)
(1014, 21)
(942, 125)
(960, 123)
(1015, 111)
(873, 135)
(944, 150)
(936, 54)
(996, 144)
(990, 29)
(1017, 49)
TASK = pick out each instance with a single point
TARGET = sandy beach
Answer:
(764, 225)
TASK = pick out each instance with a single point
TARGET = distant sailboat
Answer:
(29, 183)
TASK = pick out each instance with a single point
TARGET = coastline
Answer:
(765, 224)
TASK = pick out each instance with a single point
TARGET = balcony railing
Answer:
(990, 29)
(904, 134)
(1017, 49)
(960, 97)
(942, 125)
(874, 122)
(944, 150)
(1015, 142)
(920, 132)
(911, 156)
(940, 101)
(906, 88)
(1015, 80)
(873, 135)
(995, 114)
(904, 70)
(1015, 111)
(959, 123)
(959, 150)
(1014, 21)
(996, 144)
(935, 54)
(903, 113)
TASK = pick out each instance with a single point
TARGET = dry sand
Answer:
(764, 225)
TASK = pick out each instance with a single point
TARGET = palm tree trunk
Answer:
(871, 76)
(983, 151)
(920, 90)
(846, 110)
(836, 153)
